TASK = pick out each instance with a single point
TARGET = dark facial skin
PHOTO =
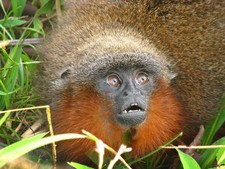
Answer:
(129, 89)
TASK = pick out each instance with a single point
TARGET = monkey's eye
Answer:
(113, 80)
(142, 78)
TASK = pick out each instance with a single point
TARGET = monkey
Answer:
(151, 69)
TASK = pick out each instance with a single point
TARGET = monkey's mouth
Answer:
(132, 108)
(132, 115)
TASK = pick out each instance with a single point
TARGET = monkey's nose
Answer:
(131, 93)
(125, 93)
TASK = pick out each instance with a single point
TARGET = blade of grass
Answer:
(157, 150)
(37, 24)
(6, 32)
(2, 7)
(213, 127)
(22, 147)
(4, 99)
(3, 119)
(79, 166)
(209, 155)
(21, 72)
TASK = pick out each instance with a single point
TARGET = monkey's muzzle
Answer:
(132, 115)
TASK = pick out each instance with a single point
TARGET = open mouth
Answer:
(134, 107)
(132, 115)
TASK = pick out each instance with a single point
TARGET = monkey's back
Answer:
(194, 38)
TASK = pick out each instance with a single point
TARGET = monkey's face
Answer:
(129, 90)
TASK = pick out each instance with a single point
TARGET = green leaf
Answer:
(46, 8)
(18, 6)
(187, 161)
(79, 166)
(12, 22)
(3, 93)
(220, 157)
(38, 26)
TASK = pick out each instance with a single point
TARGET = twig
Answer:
(122, 149)
(92, 137)
(58, 8)
(33, 128)
(33, 41)
(100, 149)
(48, 112)
(26, 108)
(196, 140)
(157, 150)
(194, 147)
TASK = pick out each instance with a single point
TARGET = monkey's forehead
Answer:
(103, 52)
(98, 65)
(120, 60)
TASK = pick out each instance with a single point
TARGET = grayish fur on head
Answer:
(80, 49)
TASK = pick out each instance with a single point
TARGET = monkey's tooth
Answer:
(124, 112)
(132, 111)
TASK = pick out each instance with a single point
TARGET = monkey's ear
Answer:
(171, 74)
(65, 74)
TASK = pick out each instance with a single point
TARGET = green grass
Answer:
(17, 66)
(16, 70)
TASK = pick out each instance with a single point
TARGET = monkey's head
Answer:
(127, 78)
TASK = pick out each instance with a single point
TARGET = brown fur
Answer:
(186, 36)
(163, 123)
